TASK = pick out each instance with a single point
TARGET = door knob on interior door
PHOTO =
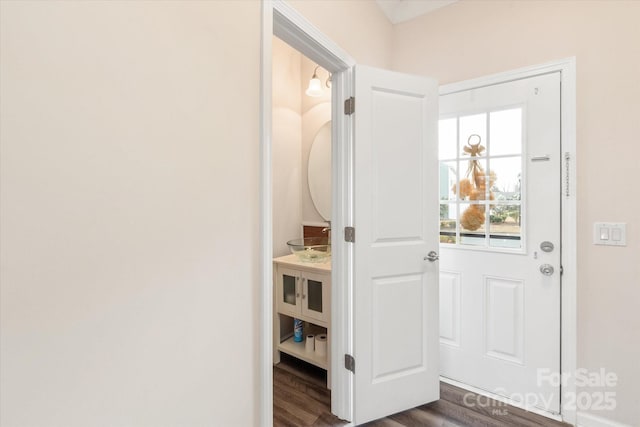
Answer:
(546, 269)
(432, 256)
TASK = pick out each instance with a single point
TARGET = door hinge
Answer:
(350, 234)
(350, 363)
(561, 270)
(349, 106)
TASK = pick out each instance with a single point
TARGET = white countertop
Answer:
(294, 261)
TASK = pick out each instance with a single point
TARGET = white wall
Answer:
(316, 111)
(286, 146)
(475, 38)
(296, 120)
(357, 26)
(129, 207)
(129, 214)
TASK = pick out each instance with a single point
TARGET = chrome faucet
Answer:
(328, 231)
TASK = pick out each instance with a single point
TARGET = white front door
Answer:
(396, 211)
(500, 194)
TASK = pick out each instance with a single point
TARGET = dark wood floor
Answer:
(300, 398)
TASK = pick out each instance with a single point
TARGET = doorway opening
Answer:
(302, 176)
(282, 21)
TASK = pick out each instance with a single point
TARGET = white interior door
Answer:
(500, 238)
(396, 211)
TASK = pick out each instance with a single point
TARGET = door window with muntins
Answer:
(481, 180)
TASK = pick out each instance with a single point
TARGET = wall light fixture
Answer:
(315, 85)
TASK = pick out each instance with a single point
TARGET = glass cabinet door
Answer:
(288, 291)
(315, 296)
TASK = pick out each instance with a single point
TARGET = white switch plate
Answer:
(610, 233)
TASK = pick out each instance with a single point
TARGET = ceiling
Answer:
(405, 10)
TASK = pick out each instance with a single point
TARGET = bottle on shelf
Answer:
(297, 330)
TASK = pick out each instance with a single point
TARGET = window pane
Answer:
(448, 180)
(473, 125)
(472, 179)
(506, 178)
(448, 223)
(472, 224)
(506, 132)
(472, 239)
(447, 139)
(505, 227)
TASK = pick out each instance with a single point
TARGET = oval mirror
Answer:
(319, 171)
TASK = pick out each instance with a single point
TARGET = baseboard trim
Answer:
(590, 420)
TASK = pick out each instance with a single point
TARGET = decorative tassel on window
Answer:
(474, 186)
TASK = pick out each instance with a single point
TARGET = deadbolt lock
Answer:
(547, 246)
(546, 269)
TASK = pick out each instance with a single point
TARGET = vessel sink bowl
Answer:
(311, 249)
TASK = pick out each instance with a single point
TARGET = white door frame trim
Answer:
(567, 69)
(280, 19)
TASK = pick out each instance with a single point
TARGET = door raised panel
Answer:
(450, 308)
(397, 145)
(504, 318)
(398, 345)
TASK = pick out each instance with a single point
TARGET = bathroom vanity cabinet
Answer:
(302, 290)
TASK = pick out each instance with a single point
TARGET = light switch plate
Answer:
(610, 233)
